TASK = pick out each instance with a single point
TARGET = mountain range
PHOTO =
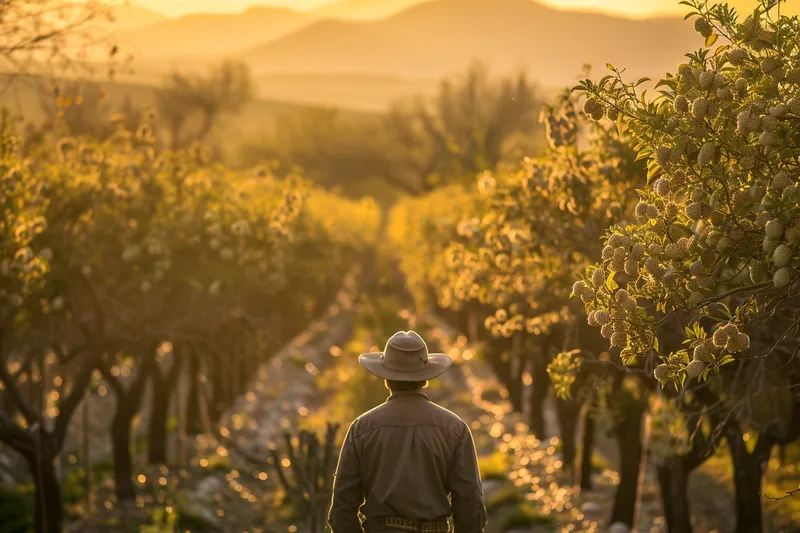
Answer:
(443, 36)
(209, 35)
(423, 40)
(364, 9)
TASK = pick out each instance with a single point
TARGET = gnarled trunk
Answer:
(748, 471)
(194, 420)
(49, 505)
(673, 480)
(121, 452)
(629, 439)
(587, 451)
(567, 412)
(163, 388)
(541, 384)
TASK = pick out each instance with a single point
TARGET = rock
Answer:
(207, 488)
(199, 517)
(591, 507)
(490, 486)
(619, 527)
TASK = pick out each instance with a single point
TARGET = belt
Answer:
(418, 526)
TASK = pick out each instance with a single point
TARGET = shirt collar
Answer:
(407, 394)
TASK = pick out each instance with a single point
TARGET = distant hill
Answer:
(129, 17)
(364, 9)
(212, 35)
(443, 36)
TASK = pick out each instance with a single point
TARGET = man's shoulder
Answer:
(431, 414)
(454, 422)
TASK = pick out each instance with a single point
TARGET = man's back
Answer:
(407, 464)
(402, 459)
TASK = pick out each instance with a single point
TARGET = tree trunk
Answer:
(541, 384)
(518, 362)
(473, 329)
(121, 451)
(500, 363)
(673, 480)
(194, 421)
(502, 368)
(157, 434)
(567, 412)
(86, 444)
(49, 505)
(163, 388)
(629, 438)
(129, 402)
(218, 384)
(747, 477)
(587, 450)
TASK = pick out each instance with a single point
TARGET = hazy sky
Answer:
(636, 8)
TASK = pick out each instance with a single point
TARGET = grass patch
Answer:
(189, 520)
(600, 463)
(495, 466)
(16, 509)
(522, 516)
(74, 486)
(218, 463)
(297, 360)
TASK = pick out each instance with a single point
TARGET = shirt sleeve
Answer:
(464, 480)
(348, 491)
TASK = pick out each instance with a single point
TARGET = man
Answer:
(408, 464)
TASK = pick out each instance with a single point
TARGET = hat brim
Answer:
(438, 363)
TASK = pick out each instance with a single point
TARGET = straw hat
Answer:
(405, 358)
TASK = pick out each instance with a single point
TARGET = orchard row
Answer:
(648, 261)
(127, 265)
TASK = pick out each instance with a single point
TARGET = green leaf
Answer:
(725, 360)
(711, 39)
(610, 283)
(609, 66)
(655, 344)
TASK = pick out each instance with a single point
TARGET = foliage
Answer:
(115, 252)
(716, 230)
(419, 230)
(16, 509)
(475, 122)
(197, 102)
(494, 466)
(523, 516)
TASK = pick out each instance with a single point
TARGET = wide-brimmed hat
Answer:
(405, 358)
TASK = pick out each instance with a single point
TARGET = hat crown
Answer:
(405, 352)
(407, 341)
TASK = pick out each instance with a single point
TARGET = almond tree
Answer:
(716, 236)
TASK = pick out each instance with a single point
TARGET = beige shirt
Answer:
(408, 458)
